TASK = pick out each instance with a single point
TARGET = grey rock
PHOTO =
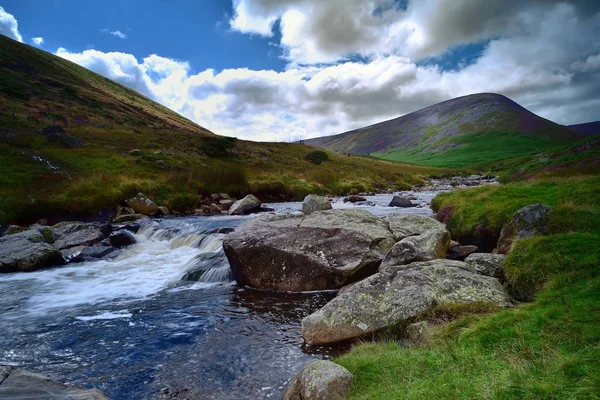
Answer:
(487, 264)
(122, 238)
(95, 253)
(142, 205)
(27, 251)
(529, 221)
(226, 204)
(71, 254)
(320, 380)
(215, 209)
(124, 211)
(244, 206)
(162, 211)
(313, 203)
(427, 246)
(84, 235)
(20, 384)
(323, 250)
(57, 134)
(404, 225)
(12, 229)
(128, 218)
(354, 199)
(461, 252)
(401, 201)
(397, 294)
(417, 331)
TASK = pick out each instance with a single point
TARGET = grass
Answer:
(546, 349)
(177, 160)
(480, 150)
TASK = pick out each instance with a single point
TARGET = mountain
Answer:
(75, 143)
(438, 134)
(590, 128)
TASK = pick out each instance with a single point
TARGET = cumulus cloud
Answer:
(37, 41)
(9, 26)
(118, 34)
(547, 60)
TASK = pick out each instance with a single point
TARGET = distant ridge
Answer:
(436, 128)
(588, 129)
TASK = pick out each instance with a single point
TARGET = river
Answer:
(137, 327)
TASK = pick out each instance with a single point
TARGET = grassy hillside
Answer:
(440, 127)
(131, 143)
(546, 348)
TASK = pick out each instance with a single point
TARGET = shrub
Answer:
(316, 157)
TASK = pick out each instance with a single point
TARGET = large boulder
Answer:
(247, 205)
(323, 250)
(122, 238)
(142, 205)
(18, 384)
(27, 251)
(401, 201)
(487, 264)
(396, 295)
(404, 225)
(427, 246)
(320, 380)
(529, 221)
(313, 203)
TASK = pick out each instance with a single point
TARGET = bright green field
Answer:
(478, 150)
(548, 348)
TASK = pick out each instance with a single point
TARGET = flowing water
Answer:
(164, 319)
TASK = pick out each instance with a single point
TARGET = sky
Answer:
(284, 70)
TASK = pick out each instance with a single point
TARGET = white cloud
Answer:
(9, 26)
(38, 41)
(591, 63)
(543, 65)
(118, 34)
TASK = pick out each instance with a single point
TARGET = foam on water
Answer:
(160, 259)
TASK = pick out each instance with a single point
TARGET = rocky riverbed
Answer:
(162, 317)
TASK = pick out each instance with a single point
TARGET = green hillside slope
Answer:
(117, 142)
(469, 131)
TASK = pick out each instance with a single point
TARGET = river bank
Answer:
(134, 328)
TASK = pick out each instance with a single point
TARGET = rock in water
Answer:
(18, 384)
(396, 295)
(246, 205)
(324, 250)
(73, 233)
(528, 221)
(320, 380)
(354, 199)
(427, 246)
(401, 201)
(487, 264)
(142, 205)
(27, 251)
(313, 203)
(122, 238)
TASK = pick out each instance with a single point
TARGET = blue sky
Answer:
(289, 69)
(193, 30)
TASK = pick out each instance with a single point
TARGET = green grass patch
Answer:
(476, 150)
(546, 349)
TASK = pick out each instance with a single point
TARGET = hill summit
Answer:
(436, 128)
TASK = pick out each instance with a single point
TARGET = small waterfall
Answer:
(210, 265)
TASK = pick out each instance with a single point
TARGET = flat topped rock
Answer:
(18, 384)
(324, 250)
(27, 251)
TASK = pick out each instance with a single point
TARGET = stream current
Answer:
(164, 319)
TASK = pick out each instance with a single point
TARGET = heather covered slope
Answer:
(117, 142)
(488, 122)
